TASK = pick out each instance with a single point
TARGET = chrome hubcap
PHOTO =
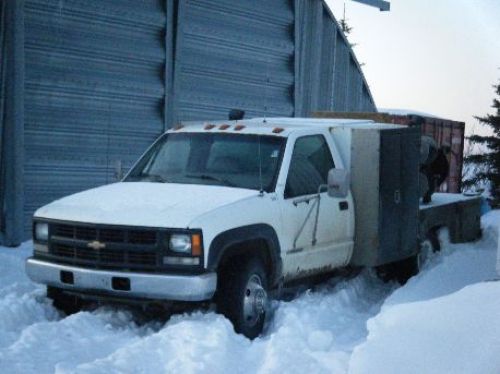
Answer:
(254, 300)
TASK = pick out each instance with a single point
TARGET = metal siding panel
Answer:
(367, 103)
(353, 87)
(312, 55)
(359, 92)
(246, 61)
(298, 9)
(361, 96)
(341, 75)
(325, 94)
(94, 92)
(3, 76)
(303, 30)
(170, 45)
(3, 90)
(12, 122)
(323, 61)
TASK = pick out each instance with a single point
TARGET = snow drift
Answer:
(443, 320)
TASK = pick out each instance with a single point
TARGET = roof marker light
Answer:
(278, 130)
(178, 127)
(224, 127)
(209, 127)
(239, 127)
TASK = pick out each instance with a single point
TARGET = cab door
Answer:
(318, 228)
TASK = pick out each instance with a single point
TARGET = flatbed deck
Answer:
(459, 213)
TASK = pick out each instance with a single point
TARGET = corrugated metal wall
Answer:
(94, 91)
(328, 77)
(103, 78)
(234, 54)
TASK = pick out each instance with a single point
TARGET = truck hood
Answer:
(142, 204)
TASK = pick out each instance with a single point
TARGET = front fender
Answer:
(232, 238)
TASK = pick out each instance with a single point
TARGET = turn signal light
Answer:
(196, 245)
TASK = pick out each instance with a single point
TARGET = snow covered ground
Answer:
(445, 320)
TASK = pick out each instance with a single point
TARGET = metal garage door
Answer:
(94, 91)
(234, 54)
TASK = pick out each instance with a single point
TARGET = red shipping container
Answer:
(446, 133)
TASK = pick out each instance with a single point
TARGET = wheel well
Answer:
(244, 251)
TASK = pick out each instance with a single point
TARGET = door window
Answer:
(311, 161)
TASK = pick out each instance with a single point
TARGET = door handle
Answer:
(397, 196)
(344, 205)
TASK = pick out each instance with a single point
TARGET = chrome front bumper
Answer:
(138, 285)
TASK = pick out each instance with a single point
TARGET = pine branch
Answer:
(484, 168)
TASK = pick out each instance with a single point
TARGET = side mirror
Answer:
(338, 183)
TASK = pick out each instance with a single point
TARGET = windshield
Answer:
(212, 158)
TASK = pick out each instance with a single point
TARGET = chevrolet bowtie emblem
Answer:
(96, 245)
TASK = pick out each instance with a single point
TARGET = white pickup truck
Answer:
(228, 211)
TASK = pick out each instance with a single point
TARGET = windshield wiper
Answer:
(211, 178)
(153, 177)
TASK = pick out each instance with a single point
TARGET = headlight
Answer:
(41, 231)
(180, 243)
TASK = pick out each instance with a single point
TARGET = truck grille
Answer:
(120, 248)
(146, 237)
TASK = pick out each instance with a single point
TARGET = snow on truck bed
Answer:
(441, 198)
(445, 320)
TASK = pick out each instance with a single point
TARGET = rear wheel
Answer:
(69, 304)
(433, 238)
(242, 296)
(401, 271)
(409, 268)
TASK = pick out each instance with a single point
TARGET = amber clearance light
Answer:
(196, 245)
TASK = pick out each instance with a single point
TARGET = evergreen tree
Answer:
(345, 26)
(488, 162)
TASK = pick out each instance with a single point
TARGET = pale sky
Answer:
(436, 56)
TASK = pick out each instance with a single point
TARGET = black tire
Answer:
(68, 304)
(238, 290)
(433, 238)
(400, 271)
(408, 268)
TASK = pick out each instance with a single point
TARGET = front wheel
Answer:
(243, 296)
(68, 304)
